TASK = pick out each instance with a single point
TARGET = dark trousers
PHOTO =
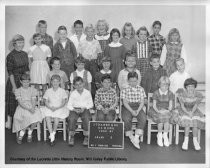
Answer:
(105, 117)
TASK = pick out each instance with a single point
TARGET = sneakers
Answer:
(185, 143)
(135, 141)
(165, 139)
(71, 141)
(196, 144)
(160, 139)
(20, 137)
(85, 142)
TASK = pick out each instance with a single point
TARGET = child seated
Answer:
(55, 64)
(82, 72)
(133, 102)
(80, 102)
(130, 62)
(55, 106)
(152, 76)
(106, 100)
(178, 77)
(27, 114)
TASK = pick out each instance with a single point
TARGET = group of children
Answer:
(107, 67)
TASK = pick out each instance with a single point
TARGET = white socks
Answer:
(196, 144)
(185, 143)
(22, 133)
(30, 132)
(160, 139)
(165, 139)
(52, 136)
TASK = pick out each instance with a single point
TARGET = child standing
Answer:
(188, 115)
(55, 64)
(178, 77)
(156, 40)
(47, 39)
(116, 51)
(172, 50)
(65, 50)
(80, 102)
(128, 33)
(106, 100)
(133, 102)
(78, 35)
(143, 50)
(153, 74)
(27, 114)
(38, 55)
(55, 106)
(130, 62)
(161, 110)
(80, 71)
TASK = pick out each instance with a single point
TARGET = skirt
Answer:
(142, 65)
(61, 113)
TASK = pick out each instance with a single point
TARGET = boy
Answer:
(178, 77)
(156, 40)
(152, 76)
(47, 39)
(65, 50)
(106, 100)
(80, 102)
(130, 62)
(79, 35)
(133, 102)
(80, 71)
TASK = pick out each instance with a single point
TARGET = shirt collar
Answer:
(102, 37)
(103, 72)
(112, 44)
(163, 93)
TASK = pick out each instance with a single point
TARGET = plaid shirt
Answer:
(156, 43)
(106, 98)
(133, 95)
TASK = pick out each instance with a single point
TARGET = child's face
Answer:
(25, 83)
(155, 63)
(180, 66)
(106, 65)
(133, 82)
(190, 89)
(38, 40)
(79, 86)
(78, 29)
(174, 37)
(142, 35)
(42, 28)
(130, 62)
(101, 27)
(164, 86)
(90, 33)
(19, 45)
(115, 37)
(156, 29)
(56, 65)
(128, 30)
(55, 83)
(62, 35)
(106, 83)
(80, 66)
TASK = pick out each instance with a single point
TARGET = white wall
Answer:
(190, 20)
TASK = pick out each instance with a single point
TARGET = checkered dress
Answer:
(156, 43)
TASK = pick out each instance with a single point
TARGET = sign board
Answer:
(106, 135)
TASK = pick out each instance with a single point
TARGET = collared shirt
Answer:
(156, 43)
(163, 93)
(102, 37)
(81, 74)
(106, 98)
(143, 49)
(123, 78)
(133, 95)
(83, 100)
(76, 41)
(112, 44)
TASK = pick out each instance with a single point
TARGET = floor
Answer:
(41, 153)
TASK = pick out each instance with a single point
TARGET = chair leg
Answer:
(149, 133)
(64, 130)
(199, 136)
(170, 133)
(38, 131)
(45, 131)
(177, 134)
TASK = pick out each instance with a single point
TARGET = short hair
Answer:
(42, 22)
(89, 26)
(79, 22)
(190, 81)
(54, 59)
(62, 28)
(106, 76)
(80, 59)
(103, 21)
(154, 56)
(57, 77)
(132, 75)
(115, 30)
(25, 76)
(77, 79)
(157, 22)
(128, 24)
(171, 32)
(179, 59)
(16, 38)
(129, 54)
(143, 28)
(164, 79)
(37, 35)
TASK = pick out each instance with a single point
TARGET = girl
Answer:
(27, 114)
(161, 110)
(143, 50)
(17, 64)
(38, 55)
(129, 40)
(55, 102)
(172, 50)
(116, 51)
(188, 115)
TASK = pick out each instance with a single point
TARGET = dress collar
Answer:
(112, 44)
(102, 37)
(103, 72)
